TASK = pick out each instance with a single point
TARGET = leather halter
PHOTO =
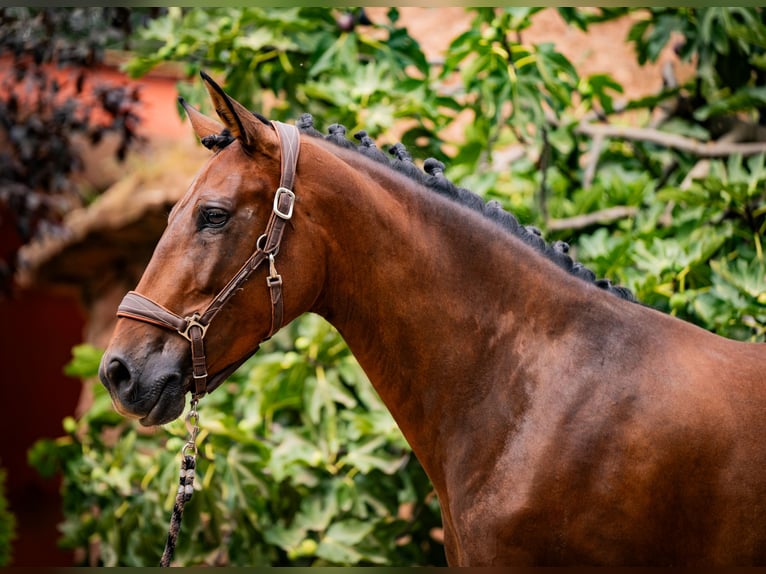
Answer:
(194, 327)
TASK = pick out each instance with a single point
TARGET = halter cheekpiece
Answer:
(194, 327)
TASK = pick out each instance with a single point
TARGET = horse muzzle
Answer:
(152, 392)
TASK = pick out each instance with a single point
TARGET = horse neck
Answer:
(428, 295)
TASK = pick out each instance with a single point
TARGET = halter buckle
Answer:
(192, 321)
(284, 214)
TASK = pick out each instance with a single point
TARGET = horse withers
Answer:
(559, 423)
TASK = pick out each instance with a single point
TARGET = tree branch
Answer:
(595, 155)
(586, 220)
(696, 147)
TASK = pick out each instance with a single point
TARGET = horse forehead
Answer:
(220, 181)
(208, 184)
(220, 173)
(229, 174)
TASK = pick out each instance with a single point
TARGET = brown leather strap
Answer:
(289, 139)
(140, 308)
(233, 285)
(199, 361)
(136, 306)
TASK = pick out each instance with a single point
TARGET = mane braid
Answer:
(367, 147)
(433, 178)
(218, 141)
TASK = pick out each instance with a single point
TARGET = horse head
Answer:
(216, 274)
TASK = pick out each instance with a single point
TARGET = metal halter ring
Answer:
(192, 321)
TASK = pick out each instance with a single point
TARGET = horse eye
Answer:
(213, 217)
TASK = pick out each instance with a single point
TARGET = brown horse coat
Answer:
(558, 423)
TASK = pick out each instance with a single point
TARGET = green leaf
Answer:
(370, 455)
(694, 195)
(749, 277)
(291, 452)
(743, 99)
(287, 538)
(45, 455)
(338, 544)
(85, 361)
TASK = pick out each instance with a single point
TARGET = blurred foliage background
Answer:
(300, 462)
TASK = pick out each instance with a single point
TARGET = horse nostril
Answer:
(117, 373)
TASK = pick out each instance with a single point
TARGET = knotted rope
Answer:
(185, 484)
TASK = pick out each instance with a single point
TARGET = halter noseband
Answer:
(194, 327)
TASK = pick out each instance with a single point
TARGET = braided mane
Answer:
(432, 177)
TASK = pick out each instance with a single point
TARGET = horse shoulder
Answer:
(627, 440)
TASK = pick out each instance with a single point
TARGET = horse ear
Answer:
(240, 121)
(203, 126)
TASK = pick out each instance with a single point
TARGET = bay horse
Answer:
(559, 422)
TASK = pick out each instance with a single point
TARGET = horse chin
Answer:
(168, 405)
(168, 408)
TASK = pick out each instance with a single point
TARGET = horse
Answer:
(560, 422)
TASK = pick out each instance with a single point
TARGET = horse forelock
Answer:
(432, 178)
(220, 141)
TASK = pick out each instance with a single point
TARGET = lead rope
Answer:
(185, 484)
